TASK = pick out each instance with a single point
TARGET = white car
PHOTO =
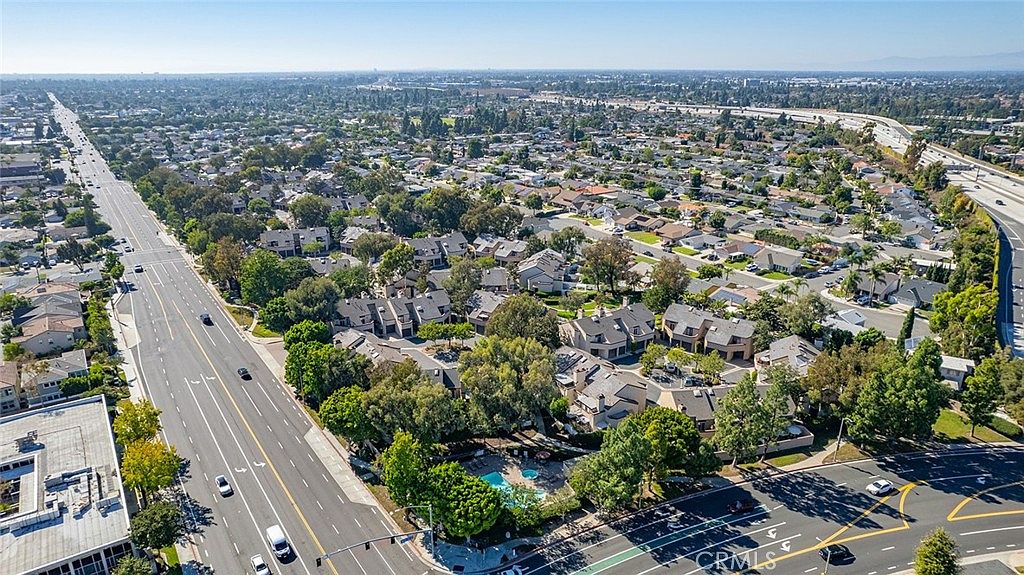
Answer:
(881, 487)
(223, 486)
(514, 570)
(259, 566)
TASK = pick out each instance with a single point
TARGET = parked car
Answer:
(881, 487)
(138, 268)
(742, 506)
(649, 253)
(751, 267)
(812, 275)
(223, 485)
(514, 570)
(259, 566)
(244, 373)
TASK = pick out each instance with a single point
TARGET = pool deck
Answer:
(550, 476)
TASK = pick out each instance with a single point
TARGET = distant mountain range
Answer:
(1004, 62)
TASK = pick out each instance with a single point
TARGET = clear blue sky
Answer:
(251, 36)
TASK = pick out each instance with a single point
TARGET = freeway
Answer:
(283, 468)
(976, 494)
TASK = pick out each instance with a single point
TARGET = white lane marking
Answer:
(889, 548)
(318, 505)
(253, 403)
(306, 484)
(335, 529)
(992, 530)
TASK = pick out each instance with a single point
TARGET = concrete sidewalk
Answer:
(1009, 559)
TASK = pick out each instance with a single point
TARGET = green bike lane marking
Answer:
(659, 542)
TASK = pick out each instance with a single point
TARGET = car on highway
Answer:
(514, 570)
(206, 319)
(835, 553)
(1000, 203)
(259, 566)
(138, 268)
(741, 506)
(977, 187)
(244, 373)
(881, 487)
(223, 485)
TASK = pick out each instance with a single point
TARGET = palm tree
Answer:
(850, 283)
(875, 273)
(799, 284)
(785, 290)
(870, 252)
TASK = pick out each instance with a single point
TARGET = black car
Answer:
(812, 275)
(742, 506)
(205, 318)
(1000, 203)
(648, 253)
(244, 373)
(835, 553)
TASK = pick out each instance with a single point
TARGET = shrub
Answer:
(1004, 427)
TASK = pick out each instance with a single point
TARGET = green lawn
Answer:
(685, 251)
(737, 265)
(954, 428)
(645, 259)
(260, 331)
(170, 556)
(645, 237)
(591, 221)
(241, 315)
(776, 276)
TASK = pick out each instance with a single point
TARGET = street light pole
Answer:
(430, 519)
(839, 442)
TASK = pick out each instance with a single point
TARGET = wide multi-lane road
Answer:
(283, 469)
(977, 495)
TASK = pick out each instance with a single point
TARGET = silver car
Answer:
(223, 485)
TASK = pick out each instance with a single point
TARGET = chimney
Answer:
(625, 301)
(600, 403)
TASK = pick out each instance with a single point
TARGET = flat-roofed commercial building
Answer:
(67, 510)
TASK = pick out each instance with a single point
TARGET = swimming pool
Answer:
(498, 481)
(530, 473)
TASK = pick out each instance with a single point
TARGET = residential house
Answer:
(296, 242)
(738, 250)
(543, 272)
(52, 321)
(916, 292)
(43, 387)
(481, 306)
(435, 251)
(698, 330)
(793, 351)
(699, 403)
(612, 335)
(347, 238)
(10, 398)
(778, 259)
(600, 396)
(674, 233)
(398, 316)
(498, 280)
(879, 289)
(954, 371)
(503, 250)
(701, 241)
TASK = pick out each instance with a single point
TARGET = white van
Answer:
(278, 542)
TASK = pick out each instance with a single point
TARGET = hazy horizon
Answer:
(49, 38)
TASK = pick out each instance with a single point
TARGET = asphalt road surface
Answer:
(253, 432)
(976, 495)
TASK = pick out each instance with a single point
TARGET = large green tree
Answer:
(523, 315)
(467, 505)
(403, 470)
(136, 421)
(608, 262)
(158, 526)
(310, 211)
(149, 466)
(313, 300)
(613, 477)
(464, 279)
(508, 380)
(937, 555)
(262, 277)
(344, 413)
(736, 429)
(983, 391)
(966, 321)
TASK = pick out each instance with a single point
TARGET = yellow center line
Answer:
(953, 514)
(259, 446)
(832, 539)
